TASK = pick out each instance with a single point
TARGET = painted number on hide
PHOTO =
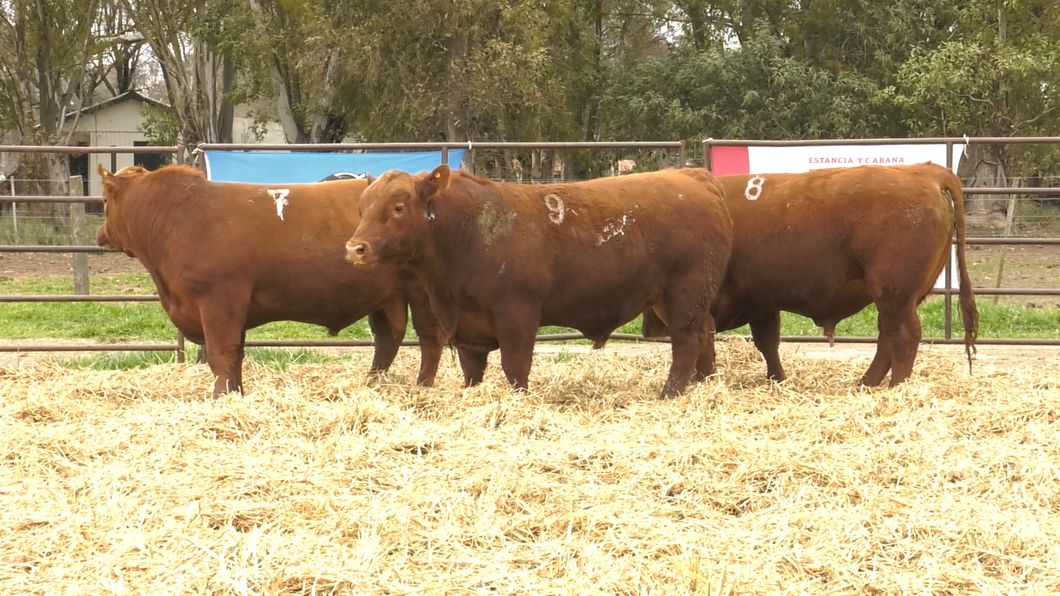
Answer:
(280, 196)
(754, 188)
(556, 209)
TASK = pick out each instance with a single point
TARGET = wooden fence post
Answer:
(77, 232)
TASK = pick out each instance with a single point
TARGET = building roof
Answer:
(127, 96)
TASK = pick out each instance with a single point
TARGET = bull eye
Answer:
(400, 207)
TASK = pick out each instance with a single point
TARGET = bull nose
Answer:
(356, 251)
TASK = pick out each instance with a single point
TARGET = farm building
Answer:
(119, 121)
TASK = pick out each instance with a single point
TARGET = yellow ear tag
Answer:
(437, 175)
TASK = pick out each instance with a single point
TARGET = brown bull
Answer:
(228, 257)
(828, 243)
(500, 260)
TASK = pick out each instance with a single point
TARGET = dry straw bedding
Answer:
(317, 482)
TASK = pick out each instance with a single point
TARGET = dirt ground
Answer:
(43, 265)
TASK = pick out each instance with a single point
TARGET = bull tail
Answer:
(969, 312)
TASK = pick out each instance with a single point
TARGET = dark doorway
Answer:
(148, 161)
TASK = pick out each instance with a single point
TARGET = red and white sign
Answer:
(726, 160)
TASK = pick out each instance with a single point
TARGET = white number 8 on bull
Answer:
(754, 188)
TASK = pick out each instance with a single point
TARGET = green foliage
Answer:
(754, 91)
(995, 76)
(159, 126)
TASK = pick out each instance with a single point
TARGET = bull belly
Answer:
(816, 301)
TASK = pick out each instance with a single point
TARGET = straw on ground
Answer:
(134, 482)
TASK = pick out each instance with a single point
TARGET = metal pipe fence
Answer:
(680, 146)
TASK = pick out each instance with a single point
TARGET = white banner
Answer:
(796, 160)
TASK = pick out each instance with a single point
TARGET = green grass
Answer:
(119, 322)
(274, 358)
(146, 322)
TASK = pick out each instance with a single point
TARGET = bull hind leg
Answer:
(705, 361)
(765, 332)
(881, 362)
(237, 374)
(901, 326)
(686, 312)
(388, 328)
(473, 363)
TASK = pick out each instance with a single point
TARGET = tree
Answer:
(997, 76)
(47, 50)
(187, 38)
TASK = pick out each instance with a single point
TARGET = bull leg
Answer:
(766, 335)
(473, 363)
(904, 329)
(516, 331)
(430, 334)
(224, 334)
(687, 331)
(388, 328)
(705, 361)
(240, 355)
(881, 361)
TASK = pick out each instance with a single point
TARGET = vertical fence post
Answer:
(948, 270)
(14, 212)
(445, 156)
(77, 234)
(682, 155)
(706, 155)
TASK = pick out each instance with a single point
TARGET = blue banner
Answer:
(294, 167)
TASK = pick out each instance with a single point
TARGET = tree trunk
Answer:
(983, 166)
(226, 113)
(325, 126)
(456, 60)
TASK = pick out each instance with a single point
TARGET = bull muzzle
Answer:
(358, 253)
(101, 237)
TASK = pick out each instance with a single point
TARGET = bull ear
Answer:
(437, 181)
(370, 179)
(103, 173)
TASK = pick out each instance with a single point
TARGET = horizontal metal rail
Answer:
(96, 249)
(54, 248)
(154, 297)
(440, 146)
(886, 141)
(1048, 191)
(79, 150)
(89, 347)
(50, 199)
(361, 343)
(77, 298)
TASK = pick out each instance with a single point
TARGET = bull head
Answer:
(111, 232)
(396, 211)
